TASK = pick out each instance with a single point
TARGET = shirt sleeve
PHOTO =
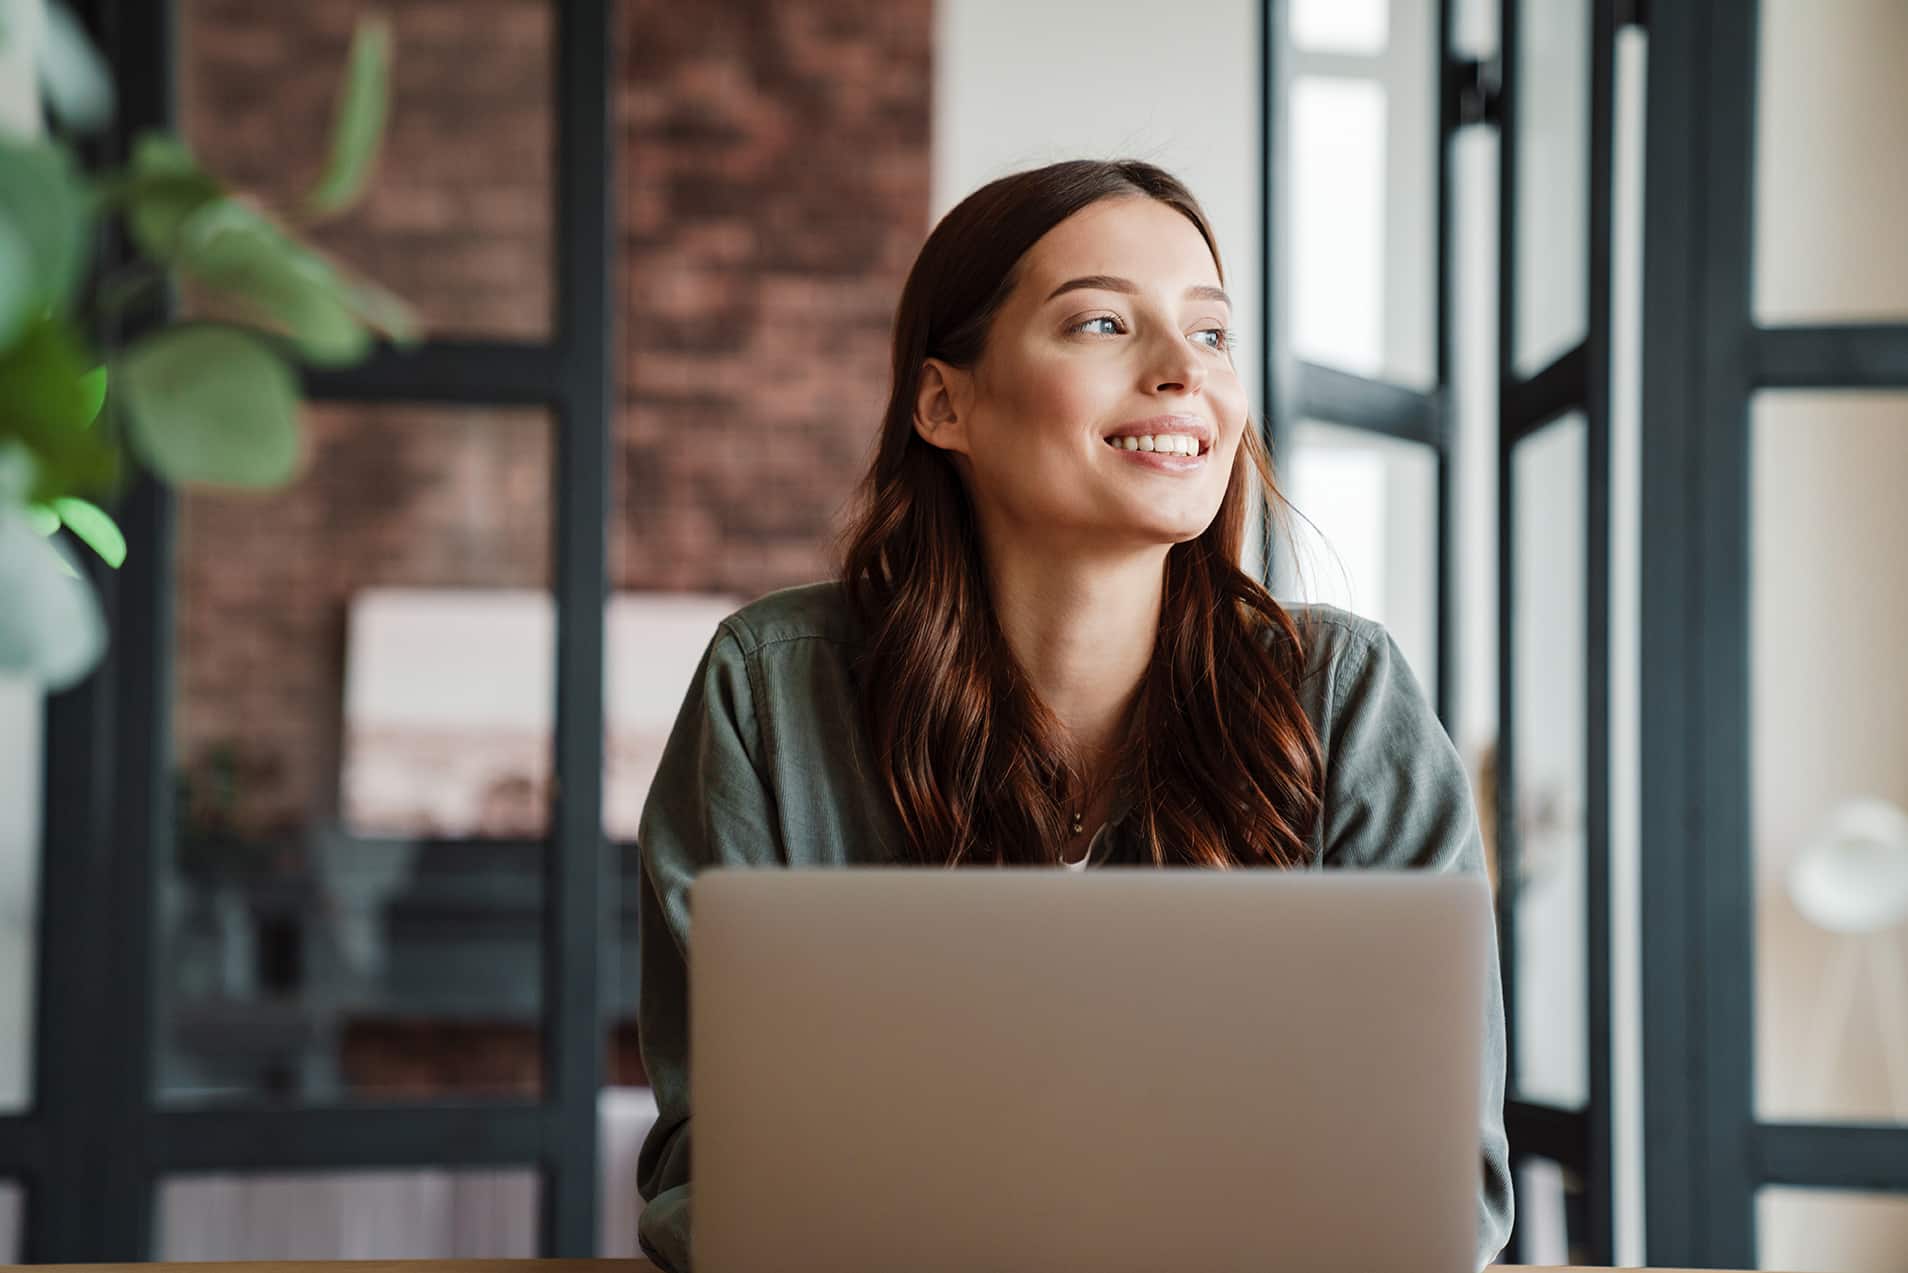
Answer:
(1397, 797)
(708, 805)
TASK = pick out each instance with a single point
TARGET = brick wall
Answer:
(773, 189)
(459, 219)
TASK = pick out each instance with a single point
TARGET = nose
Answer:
(1175, 367)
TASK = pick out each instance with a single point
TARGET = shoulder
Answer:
(1353, 672)
(810, 612)
(1332, 630)
(1337, 643)
(798, 650)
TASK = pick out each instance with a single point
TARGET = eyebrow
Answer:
(1114, 283)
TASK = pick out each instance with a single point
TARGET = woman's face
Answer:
(1116, 329)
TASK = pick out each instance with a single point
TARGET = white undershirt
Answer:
(1086, 857)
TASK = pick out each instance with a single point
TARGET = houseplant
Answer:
(211, 398)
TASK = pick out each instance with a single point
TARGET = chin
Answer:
(1168, 534)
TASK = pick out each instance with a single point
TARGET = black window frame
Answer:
(1575, 384)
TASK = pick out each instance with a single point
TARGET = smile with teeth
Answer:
(1170, 443)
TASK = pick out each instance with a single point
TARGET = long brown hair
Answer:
(1222, 763)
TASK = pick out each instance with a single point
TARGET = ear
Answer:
(939, 406)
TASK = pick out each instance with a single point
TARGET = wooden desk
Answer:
(445, 1266)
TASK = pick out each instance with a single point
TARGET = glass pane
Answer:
(1338, 231)
(1831, 175)
(655, 642)
(357, 1215)
(12, 1221)
(1340, 26)
(625, 1116)
(1548, 667)
(1366, 540)
(1829, 747)
(1363, 211)
(1826, 1231)
(21, 716)
(1474, 28)
(1553, 197)
(458, 218)
(1551, 1219)
(1472, 402)
(362, 750)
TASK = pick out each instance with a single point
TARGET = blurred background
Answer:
(1580, 328)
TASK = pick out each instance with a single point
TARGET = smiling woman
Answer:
(1042, 649)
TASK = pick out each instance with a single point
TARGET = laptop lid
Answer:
(1134, 1069)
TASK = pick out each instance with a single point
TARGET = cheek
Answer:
(1229, 406)
(1228, 396)
(1052, 401)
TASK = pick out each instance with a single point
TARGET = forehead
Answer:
(1152, 243)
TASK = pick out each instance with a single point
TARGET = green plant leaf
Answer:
(47, 402)
(384, 310)
(93, 386)
(41, 379)
(94, 528)
(43, 519)
(51, 629)
(212, 404)
(19, 284)
(160, 189)
(265, 275)
(358, 126)
(157, 154)
(48, 208)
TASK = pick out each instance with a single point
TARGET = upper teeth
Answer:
(1180, 443)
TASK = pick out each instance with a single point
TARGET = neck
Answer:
(1083, 633)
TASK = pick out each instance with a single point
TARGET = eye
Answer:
(1223, 339)
(1100, 318)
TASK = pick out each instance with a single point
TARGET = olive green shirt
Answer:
(768, 765)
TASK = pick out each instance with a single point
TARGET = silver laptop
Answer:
(1134, 1069)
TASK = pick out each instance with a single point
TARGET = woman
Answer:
(1042, 649)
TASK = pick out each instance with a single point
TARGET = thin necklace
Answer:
(1079, 814)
